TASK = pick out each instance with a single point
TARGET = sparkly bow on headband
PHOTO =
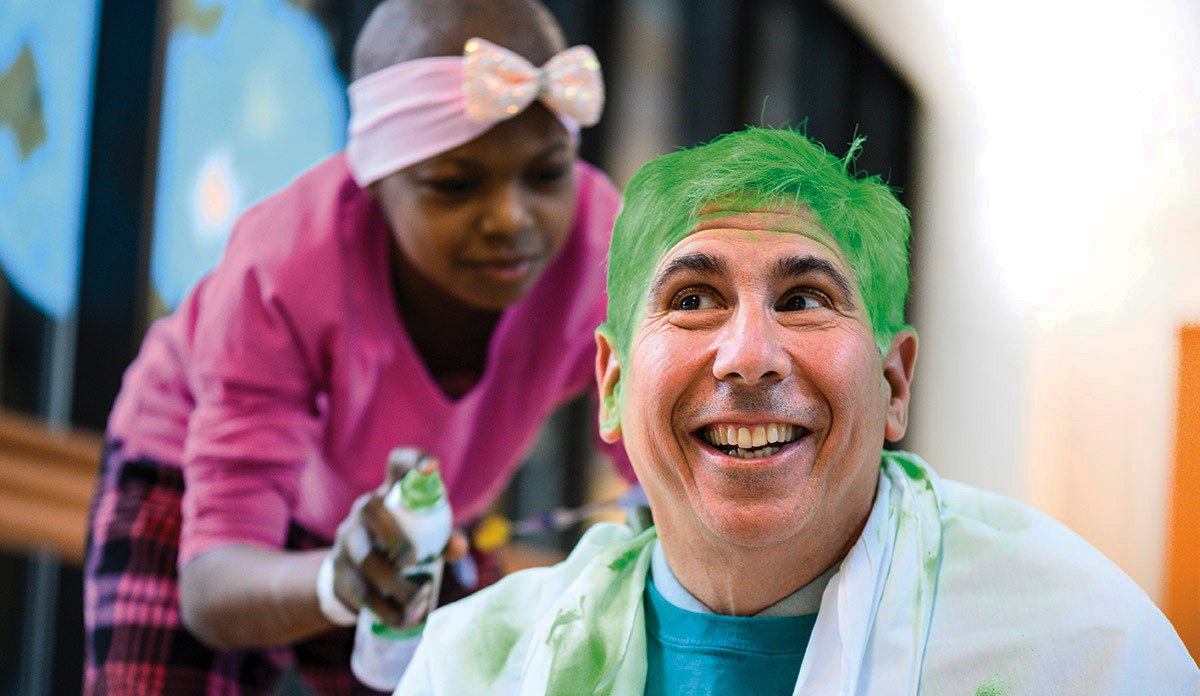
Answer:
(500, 84)
(421, 108)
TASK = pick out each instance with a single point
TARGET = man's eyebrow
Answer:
(794, 266)
(699, 263)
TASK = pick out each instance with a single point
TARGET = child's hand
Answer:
(371, 551)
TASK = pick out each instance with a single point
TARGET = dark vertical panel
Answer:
(775, 29)
(884, 108)
(824, 75)
(551, 477)
(718, 54)
(68, 632)
(12, 617)
(572, 17)
(846, 88)
(600, 32)
(343, 20)
(596, 24)
(116, 214)
(26, 335)
(579, 432)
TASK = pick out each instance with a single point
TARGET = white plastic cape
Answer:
(949, 590)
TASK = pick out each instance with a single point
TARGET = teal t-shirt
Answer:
(693, 653)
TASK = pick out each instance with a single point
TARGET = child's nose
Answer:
(507, 213)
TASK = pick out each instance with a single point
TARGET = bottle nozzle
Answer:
(420, 489)
(427, 465)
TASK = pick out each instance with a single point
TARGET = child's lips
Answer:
(507, 270)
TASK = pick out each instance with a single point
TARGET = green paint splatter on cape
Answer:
(993, 686)
(622, 561)
(564, 617)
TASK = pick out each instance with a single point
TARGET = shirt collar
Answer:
(805, 600)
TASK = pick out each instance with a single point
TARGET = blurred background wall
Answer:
(1058, 255)
(1049, 152)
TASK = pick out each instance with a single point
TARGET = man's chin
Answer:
(753, 524)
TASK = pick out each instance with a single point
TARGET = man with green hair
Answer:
(754, 360)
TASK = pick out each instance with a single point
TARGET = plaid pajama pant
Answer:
(135, 642)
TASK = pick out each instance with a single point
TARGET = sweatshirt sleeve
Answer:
(256, 419)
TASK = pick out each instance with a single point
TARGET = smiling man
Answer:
(754, 361)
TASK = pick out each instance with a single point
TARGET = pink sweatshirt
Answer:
(286, 376)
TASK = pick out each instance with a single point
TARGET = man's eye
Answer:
(691, 300)
(801, 301)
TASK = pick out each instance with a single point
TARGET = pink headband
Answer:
(420, 108)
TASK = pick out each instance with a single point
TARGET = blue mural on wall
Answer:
(251, 98)
(46, 74)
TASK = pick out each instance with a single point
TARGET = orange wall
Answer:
(1183, 532)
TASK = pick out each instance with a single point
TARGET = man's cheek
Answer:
(657, 373)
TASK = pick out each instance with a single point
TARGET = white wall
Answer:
(1057, 225)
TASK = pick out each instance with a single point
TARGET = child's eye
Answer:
(549, 175)
(450, 186)
(802, 299)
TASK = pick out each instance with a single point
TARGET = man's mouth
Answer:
(751, 441)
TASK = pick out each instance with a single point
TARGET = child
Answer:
(435, 287)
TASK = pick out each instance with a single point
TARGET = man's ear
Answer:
(898, 366)
(608, 376)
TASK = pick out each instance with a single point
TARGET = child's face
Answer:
(483, 220)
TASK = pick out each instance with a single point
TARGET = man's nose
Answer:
(751, 348)
(507, 211)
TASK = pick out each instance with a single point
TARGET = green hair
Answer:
(759, 168)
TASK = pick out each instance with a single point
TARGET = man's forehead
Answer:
(782, 218)
(779, 218)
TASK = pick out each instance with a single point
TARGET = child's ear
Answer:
(898, 366)
(608, 377)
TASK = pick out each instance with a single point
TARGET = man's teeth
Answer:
(750, 442)
(752, 454)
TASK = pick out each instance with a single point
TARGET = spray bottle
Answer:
(420, 506)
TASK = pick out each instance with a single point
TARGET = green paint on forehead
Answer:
(788, 219)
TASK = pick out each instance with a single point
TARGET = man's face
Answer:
(754, 399)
